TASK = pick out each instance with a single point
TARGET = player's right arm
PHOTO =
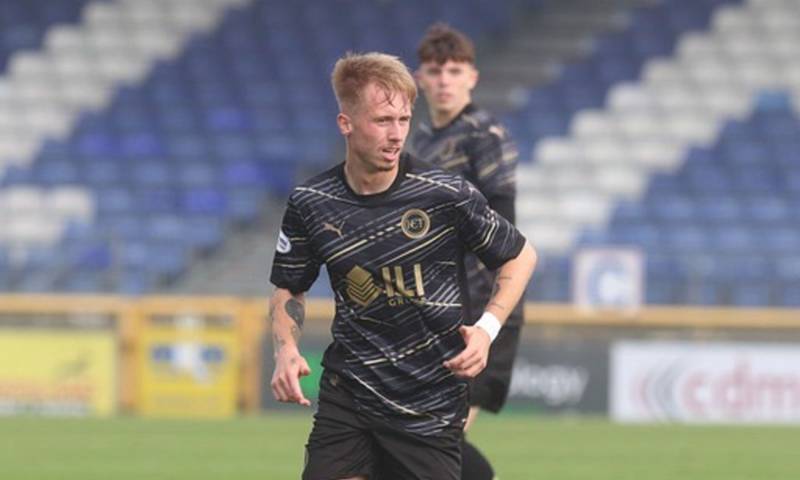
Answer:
(287, 314)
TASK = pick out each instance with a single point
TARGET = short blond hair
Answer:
(353, 72)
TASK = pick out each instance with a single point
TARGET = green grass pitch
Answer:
(270, 447)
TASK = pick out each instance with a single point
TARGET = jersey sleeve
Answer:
(490, 236)
(494, 157)
(295, 266)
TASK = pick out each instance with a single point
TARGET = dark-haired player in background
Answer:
(465, 139)
(391, 232)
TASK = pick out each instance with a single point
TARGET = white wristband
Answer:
(490, 324)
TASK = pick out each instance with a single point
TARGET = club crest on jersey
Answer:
(284, 245)
(415, 223)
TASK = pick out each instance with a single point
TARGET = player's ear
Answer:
(474, 75)
(345, 125)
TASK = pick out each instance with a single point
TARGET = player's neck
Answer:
(442, 118)
(367, 182)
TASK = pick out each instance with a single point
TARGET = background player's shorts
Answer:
(490, 389)
(346, 443)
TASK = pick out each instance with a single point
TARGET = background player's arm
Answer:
(493, 159)
(510, 282)
(287, 314)
(504, 205)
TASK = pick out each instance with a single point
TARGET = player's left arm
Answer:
(510, 282)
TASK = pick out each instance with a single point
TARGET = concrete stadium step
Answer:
(539, 42)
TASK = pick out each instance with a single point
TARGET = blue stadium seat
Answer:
(153, 200)
(244, 174)
(122, 228)
(646, 236)
(152, 173)
(167, 261)
(245, 204)
(664, 184)
(114, 201)
(188, 146)
(783, 240)
(227, 119)
(102, 173)
(231, 147)
(660, 293)
(204, 233)
(734, 239)
(197, 174)
(55, 172)
(96, 145)
(716, 209)
(769, 210)
(687, 239)
(708, 179)
(593, 237)
(705, 293)
(85, 282)
(756, 180)
(166, 229)
(134, 282)
(671, 208)
(95, 256)
(178, 120)
(205, 201)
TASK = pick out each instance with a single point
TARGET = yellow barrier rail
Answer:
(249, 316)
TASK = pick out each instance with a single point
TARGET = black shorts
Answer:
(346, 443)
(490, 389)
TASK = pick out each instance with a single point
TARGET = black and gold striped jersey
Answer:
(393, 260)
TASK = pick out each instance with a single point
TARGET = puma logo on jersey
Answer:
(329, 227)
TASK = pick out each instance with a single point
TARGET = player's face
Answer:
(447, 86)
(377, 129)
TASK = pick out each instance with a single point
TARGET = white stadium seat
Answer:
(70, 203)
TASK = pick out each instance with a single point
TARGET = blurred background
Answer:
(147, 148)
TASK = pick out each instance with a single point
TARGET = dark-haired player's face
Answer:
(377, 129)
(447, 86)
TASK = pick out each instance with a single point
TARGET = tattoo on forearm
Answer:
(297, 311)
(496, 289)
(497, 284)
(277, 342)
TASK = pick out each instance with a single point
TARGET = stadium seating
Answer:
(124, 159)
(24, 24)
(183, 118)
(709, 133)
